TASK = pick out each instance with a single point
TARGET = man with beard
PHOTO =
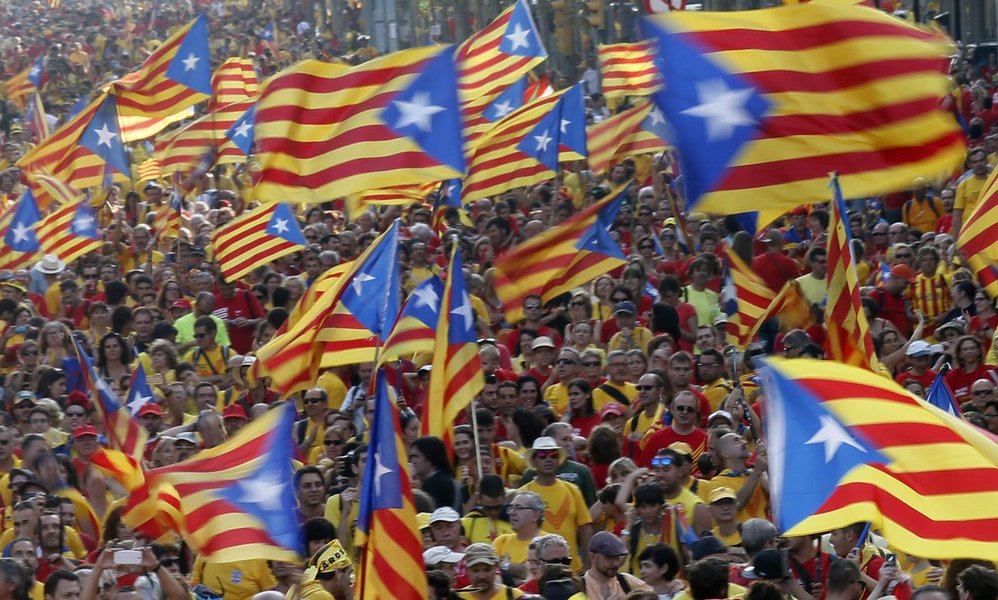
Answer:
(23, 551)
(51, 536)
(603, 580)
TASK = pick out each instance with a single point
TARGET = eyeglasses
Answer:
(39, 421)
(332, 442)
(983, 392)
(578, 303)
(30, 353)
(980, 299)
(902, 255)
(531, 307)
(684, 409)
(558, 561)
(312, 400)
(703, 364)
(200, 336)
(494, 507)
(591, 364)
(545, 454)
(90, 276)
(642, 388)
(566, 361)
(517, 507)
(4, 442)
(661, 461)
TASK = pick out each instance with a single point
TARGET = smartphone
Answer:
(127, 557)
(20, 328)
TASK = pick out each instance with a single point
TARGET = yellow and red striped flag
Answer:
(805, 84)
(39, 125)
(136, 128)
(391, 566)
(415, 331)
(70, 232)
(326, 132)
(628, 69)
(19, 86)
(745, 298)
(234, 80)
(11, 260)
(153, 513)
(493, 59)
(637, 130)
(569, 255)
(182, 150)
(149, 170)
(849, 338)
(177, 75)
(977, 240)
(848, 446)
(255, 238)
(456, 378)
(169, 217)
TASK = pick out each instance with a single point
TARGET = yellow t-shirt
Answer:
(557, 398)
(504, 593)
(602, 398)
(642, 337)
(210, 362)
(813, 288)
(484, 529)
(511, 548)
(236, 581)
(335, 389)
(334, 509)
(756, 507)
(641, 423)
(566, 511)
(968, 192)
(735, 539)
(716, 392)
(734, 591)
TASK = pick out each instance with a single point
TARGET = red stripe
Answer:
(342, 80)
(784, 81)
(818, 124)
(740, 177)
(804, 38)
(334, 115)
(400, 161)
(373, 132)
(506, 180)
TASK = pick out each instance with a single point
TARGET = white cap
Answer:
(723, 414)
(441, 554)
(446, 514)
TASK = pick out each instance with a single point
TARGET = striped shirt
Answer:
(930, 295)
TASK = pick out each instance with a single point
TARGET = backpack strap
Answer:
(624, 586)
(614, 393)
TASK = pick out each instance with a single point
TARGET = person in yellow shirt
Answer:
(526, 515)
(650, 404)
(631, 335)
(813, 284)
(616, 388)
(723, 507)
(209, 358)
(968, 191)
(235, 580)
(922, 211)
(751, 486)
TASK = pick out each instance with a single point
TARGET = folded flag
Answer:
(629, 69)
(256, 238)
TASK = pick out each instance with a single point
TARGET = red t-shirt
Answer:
(893, 309)
(584, 425)
(663, 438)
(960, 381)
(925, 379)
(243, 305)
(775, 269)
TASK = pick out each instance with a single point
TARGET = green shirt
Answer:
(185, 330)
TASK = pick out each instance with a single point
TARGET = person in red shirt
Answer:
(241, 312)
(969, 355)
(892, 299)
(74, 307)
(581, 413)
(844, 541)
(682, 429)
(773, 266)
(919, 355)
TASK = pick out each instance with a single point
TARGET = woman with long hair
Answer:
(523, 427)
(50, 382)
(113, 357)
(168, 294)
(604, 448)
(529, 391)
(581, 413)
(969, 355)
(55, 342)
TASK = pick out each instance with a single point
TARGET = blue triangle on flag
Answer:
(103, 137)
(428, 112)
(372, 295)
(805, 437)
(424, 302)
(449, 194)
(520, 37)
(267, 492)
(242, 131)
(284, 225)
(508, 101)
(84, 222)
(462, 313)
(572, 129)
(139, 392)
(541, 142)
(940, 396)
(381, 487)
(21, 235)
(191, 65)
(597, 239)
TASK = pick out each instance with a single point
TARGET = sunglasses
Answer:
(531, 307)
(566, 361)
(200, 336)
(4, 442)
(590, 364)
(558, 561)
(332, 442)
(642, 388)
(982, 393)
(684, 409)
(93, 276)
(312, 400)
(545, 454)
(168, 562)
(902, 256)
(661, 461)
(30, 353)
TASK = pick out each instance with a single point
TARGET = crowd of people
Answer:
(617, 448)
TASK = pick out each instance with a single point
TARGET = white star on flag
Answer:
(564, 125)
(264, 491)
(657, 118)
(84, 223)
(426, 296)
(519, 37)
(833, 435)
(380, 470)
(106, 135)
(190, 62)
(358, 282)
(464, 310)
(34, 71)
(503, 108)
(722, 108)
(419, 112)
(138, 402)
(243, 129)
(21, 232)
(542, 141)
(281, 226)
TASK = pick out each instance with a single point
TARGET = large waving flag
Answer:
(493, 64)
(629, 69)
(324, 132)
(849, 337)
(977, 240)
(415, 330)
(234, 80)
(176, 76)
(456, 378)
(152, 512)
(572, 254)
(256, 238)
(20, 86)
(525, 147)
(70, 232)
(123, 432)
(745, 298)
(326, 332)
(183, 149)
(769, 101)
(926, 480)
(637, 130)
(237, 498)
(392, 557)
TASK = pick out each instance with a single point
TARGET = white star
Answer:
(564, 125)
(451, 190)
(83, 223)
(722, 108)
(418, 112)
(34, 72)
(542, 141)
(503, 108)
(21, 232)
(138, 402)
(243, 129)
(833, 435)
(380, 470)
(519, 37)
(464, 310)
(657, 118)
(106, 135)
(281, 226)
(426, 296)
(264, 491)
(190, 62)
(358, 282)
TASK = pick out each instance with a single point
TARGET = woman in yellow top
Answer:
(333, 442)
(55, 343)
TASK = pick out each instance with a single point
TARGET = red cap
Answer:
(84, 430)
(904, 272)
(150, 408)
(800, 210)
(234, 411)
(612, 408)
(181, 303)
(79, 398)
